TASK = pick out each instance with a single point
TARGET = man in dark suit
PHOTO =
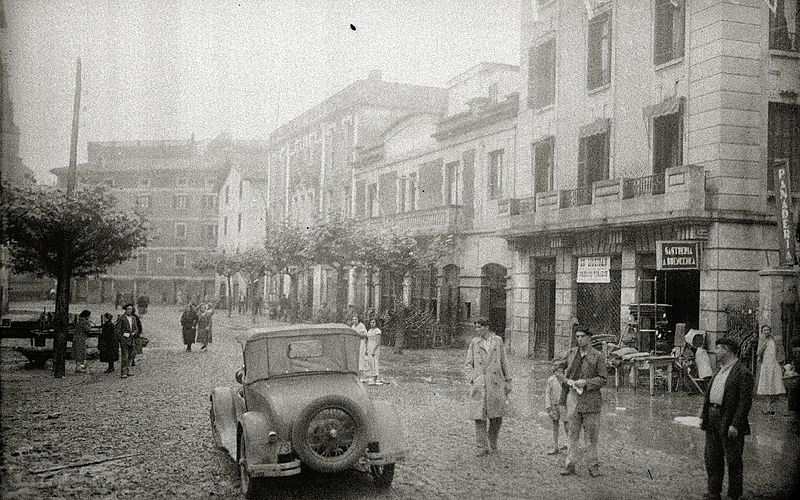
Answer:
(128, 331)
(724, 418)
(585, 375)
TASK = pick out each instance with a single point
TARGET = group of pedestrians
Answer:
(119, 340)
(196, 325)
(369, 352)
(573, 398)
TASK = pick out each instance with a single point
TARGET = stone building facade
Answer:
(445, 171)
(173, 183)
(645, 127)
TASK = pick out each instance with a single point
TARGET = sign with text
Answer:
(594, 269)
(783, 205)
(677, 255)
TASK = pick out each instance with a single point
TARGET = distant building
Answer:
(645, 129)
(174, 184)
(311, 155)
(446, 171)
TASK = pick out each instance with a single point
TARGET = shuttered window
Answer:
(782, 141)
(668, 30)
(542, 74)
(543, 165)
(599, 51)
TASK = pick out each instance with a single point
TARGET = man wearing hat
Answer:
(586, 374)
(128, 330)
(724, 418)
(489, 385)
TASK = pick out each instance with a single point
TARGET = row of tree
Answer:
(334, 241)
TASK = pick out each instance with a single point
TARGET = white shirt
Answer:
(717, 390)
(130, 321)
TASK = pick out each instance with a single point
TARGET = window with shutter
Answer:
(360, 199)
(782, 134)
(495, 174)
(599, 51)
(543, 165)
(668, 30)
(593, 160)
(542, 74)
(784, 25)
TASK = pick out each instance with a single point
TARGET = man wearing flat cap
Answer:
(585, 375)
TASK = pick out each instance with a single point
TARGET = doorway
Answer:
(544, 307)
(493, 297)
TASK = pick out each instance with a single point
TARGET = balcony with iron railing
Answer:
(445, 219)
(677, 193)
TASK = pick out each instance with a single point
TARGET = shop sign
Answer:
(783, 204)
(594, 269)
(677, 255)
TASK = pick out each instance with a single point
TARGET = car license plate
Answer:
(284, 448)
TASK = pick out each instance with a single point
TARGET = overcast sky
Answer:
(163, 69)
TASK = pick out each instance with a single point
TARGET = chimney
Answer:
(375, 75)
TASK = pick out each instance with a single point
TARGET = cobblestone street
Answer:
(160, 417)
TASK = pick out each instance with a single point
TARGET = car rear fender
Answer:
(224, 417)
(387, 430)
(254, 429)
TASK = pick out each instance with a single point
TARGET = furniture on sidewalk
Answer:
(651, 363)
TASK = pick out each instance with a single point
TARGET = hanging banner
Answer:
(677, 255)
(783, 206)
(594, 269)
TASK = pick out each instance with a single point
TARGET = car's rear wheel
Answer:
(330, 435)
(250, 485)
(382, 475)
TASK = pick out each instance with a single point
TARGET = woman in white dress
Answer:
(373, 352)
(361, 330)
(770, 375)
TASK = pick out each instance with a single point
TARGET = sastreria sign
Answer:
(677, 255)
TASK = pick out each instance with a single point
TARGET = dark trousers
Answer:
(128, 352)
(488, 439)
(721, 449)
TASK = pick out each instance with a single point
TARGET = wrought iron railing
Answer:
(527, 205)
(576, 197)
(780, 39)
(643, 186)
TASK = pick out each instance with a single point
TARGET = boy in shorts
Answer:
(555, 407)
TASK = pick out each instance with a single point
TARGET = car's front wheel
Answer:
(330, 434)
(250, 485)
(382, 475)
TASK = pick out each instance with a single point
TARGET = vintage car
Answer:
(300, 401)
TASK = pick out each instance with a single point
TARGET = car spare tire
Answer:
(330, 434)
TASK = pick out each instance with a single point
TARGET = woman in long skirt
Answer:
(373, 352)
(108, 344)
(770, 375)
(189, 326)
(79, 340)
(361, 330)
(204, 326)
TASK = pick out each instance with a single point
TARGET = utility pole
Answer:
(64, 277)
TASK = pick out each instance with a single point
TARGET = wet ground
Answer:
(160, 418)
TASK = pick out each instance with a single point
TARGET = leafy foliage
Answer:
(253, 263)
(221, 263)
(82, 233)
(331, 241)
(286, 248)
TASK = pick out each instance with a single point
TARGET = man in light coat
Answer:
(489, 384)
(585, 375)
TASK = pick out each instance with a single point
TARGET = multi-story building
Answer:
(647, 129)
(174, 185)
(310, 158)
(449, 171)
(243, 192)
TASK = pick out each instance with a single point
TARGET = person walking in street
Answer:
(770, 374)
(489, 384)
(117, 300)
(141, 303)
(137, 343)
(586, 374)
(82, 327)
(189, 326)
(108, 344)
(372, 355)
(127, 329)
(554, 406)
(724, 418)
(204, 326)
(361, 330)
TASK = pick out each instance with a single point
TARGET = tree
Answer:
(66, 235)
(222, 264)
(253, 264)
(285, 247)
(332, 242)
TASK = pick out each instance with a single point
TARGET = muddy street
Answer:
(156, 427)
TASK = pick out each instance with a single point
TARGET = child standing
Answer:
(554, 406)
(373, 353)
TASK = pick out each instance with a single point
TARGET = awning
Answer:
(599, 126)
(668, 106)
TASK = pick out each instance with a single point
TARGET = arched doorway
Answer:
(493, 296)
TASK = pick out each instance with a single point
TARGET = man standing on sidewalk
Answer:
(585, 375)
(489, 383)
(724, 418)
(127, 331)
